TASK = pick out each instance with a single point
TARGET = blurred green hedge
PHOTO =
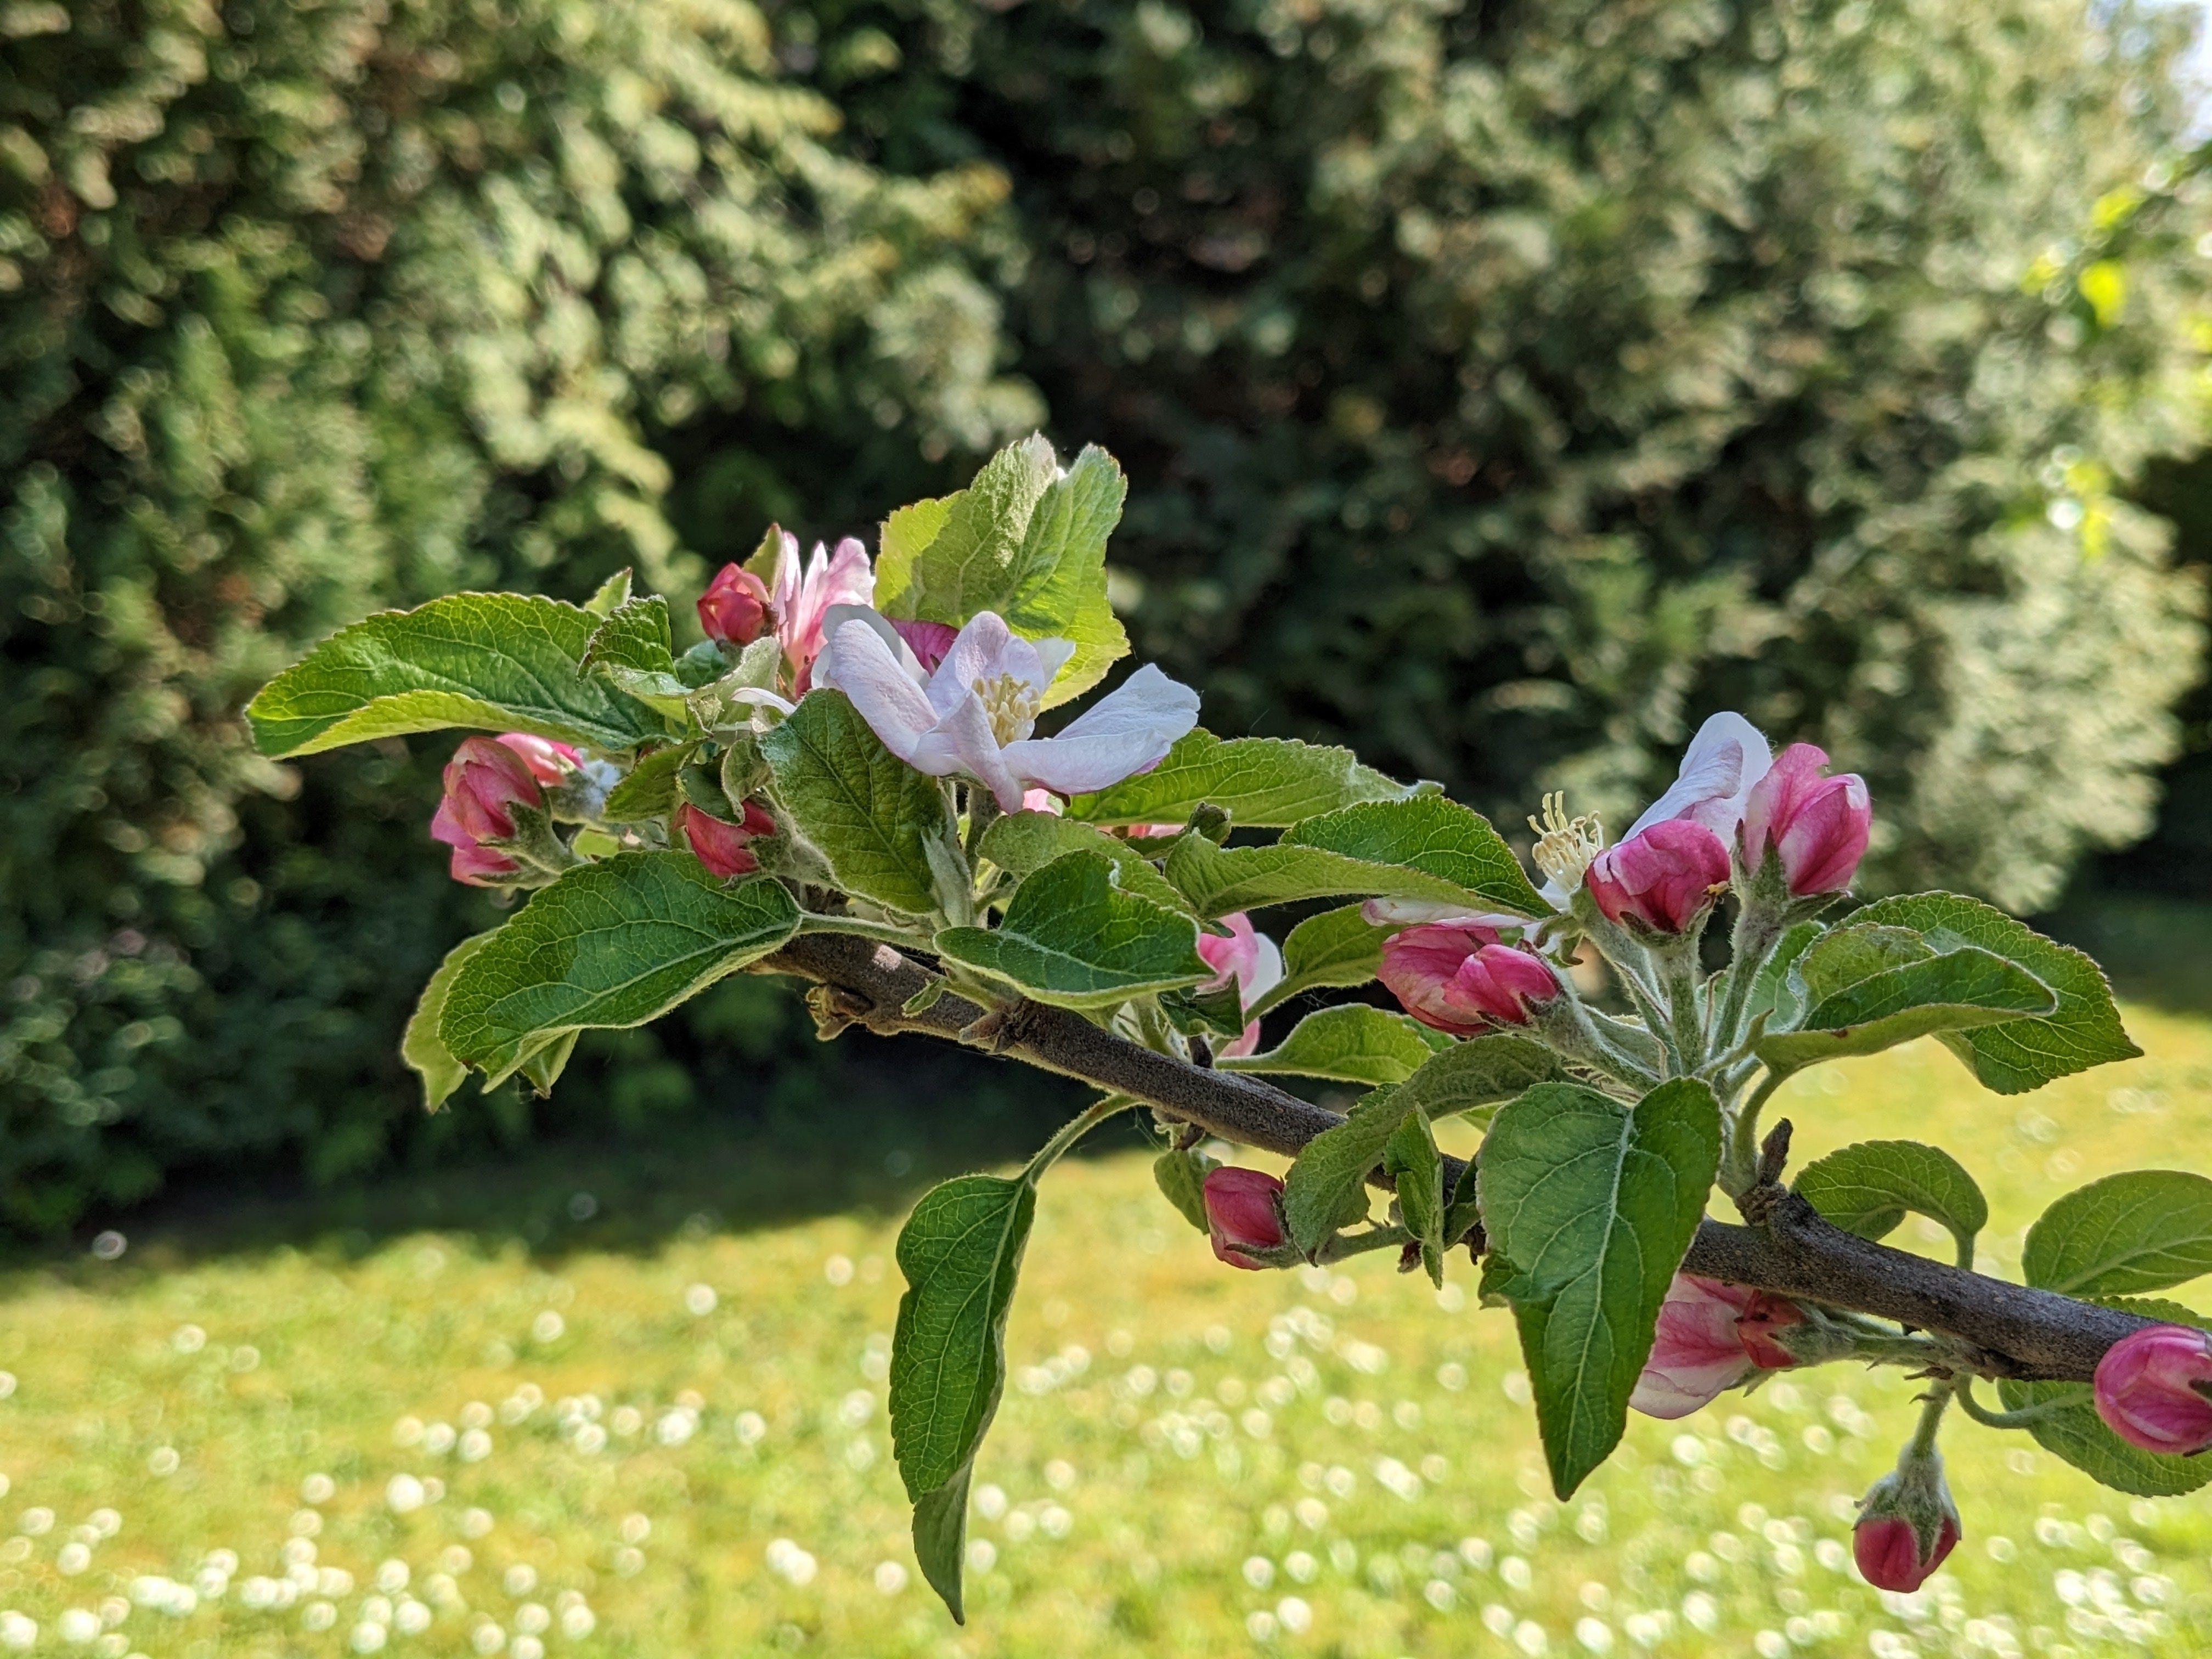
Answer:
(1504, 386)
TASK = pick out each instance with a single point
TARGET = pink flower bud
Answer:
(1242, 1212)
(479, 866)
(1762, 1317)
(484, 780)
(1662, 880)
(2154, 1389)
(549, 762)
(928, 641)
(1457, 977)
(1817, 824)
(1710, 1337)
(1907, 1524)
(721, 846)
(734, 609)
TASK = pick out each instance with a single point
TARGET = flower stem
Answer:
(1740, 1167)
(1922, 1443)
(2072, 1399)
(1073, 1130)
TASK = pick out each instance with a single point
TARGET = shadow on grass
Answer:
(864, 1137)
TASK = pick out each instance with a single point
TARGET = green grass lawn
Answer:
(440, 1443)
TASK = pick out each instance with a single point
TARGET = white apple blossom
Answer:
(974, 714)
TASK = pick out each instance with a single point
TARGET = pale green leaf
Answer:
(871, 816)
(1868, 1187)
(502, 662)
(1059, 573)
(1071, 936)
(1350, 1044)
(1181, 1176)
(2141, 1230)
(961, 1252)
(1326, 1186)
(1437, 836)
(650, 789)
(1219, 880)
(2020, 1054)
(973, 561)
(1955, 992)
(614, 944)
(609, 594)
(1593, 1202)
(1022, 843)
(1261, 782)
(1412, 1161)
(1338, 947)
(2076, 1434)
(421, 1047)
(1481, 1071)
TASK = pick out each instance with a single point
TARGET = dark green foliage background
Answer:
(1503, 387)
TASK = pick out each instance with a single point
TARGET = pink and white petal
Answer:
(1043, 800)
(1724, 759)
(1147, 702)
(1678, 1390)
(966, 734)
(972, 656)
(1249, 1043)
(859, 664)
(1076, 766)
(1266, 971)
(1405, 911)
(838, 614)
(790, 577)
(851, 580)
(1052, 657)
(761, 698)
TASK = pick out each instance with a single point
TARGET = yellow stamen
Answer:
(1564, 846)
(1010, 706)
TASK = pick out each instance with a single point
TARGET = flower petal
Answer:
(972, 656)
(859, 664)
(964, 742)
(1131, 728)
(838, 614)
(1728, 756)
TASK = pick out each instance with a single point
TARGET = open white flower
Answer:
(1723, 761)
(974, 713)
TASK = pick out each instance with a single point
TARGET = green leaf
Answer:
(614, 944)
(1071, 936)
(636, 635)
(1965, 988)
(633, 651)
(961, 1251)
(649, 791)
(1867, 1188)
(1847, 954)
(2141, 1230)
(1025, 539)
(504, 662)
(1022, 843)
(1594, 1203)
(1181, 1179)
(1480, 1071)
(2076, 1434)
(1415, 1167)
(2020, 1054)
(1352, 1043)
(871, 816)
(1771, 993)
(609, 594)
(1338, 947)
(1261, 782)
(543, 1066)
(1463, 1212)
(972, 562)
(1326, 1186)
(421, 1047)
(1437, 836)
(1061, 590)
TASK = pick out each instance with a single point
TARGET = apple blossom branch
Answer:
(2014, 1331)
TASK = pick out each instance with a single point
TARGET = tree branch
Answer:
(2016, 1331)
